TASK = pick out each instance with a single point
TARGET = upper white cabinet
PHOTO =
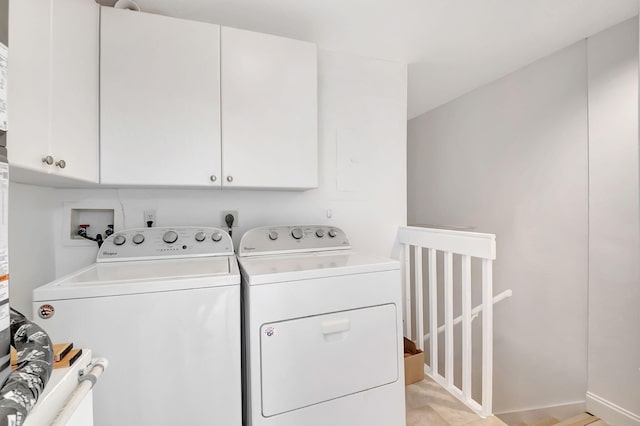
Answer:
(159, 100)
(193, 104)
(53, 87)
(179, 103)
(269, 111)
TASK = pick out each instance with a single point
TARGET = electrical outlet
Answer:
(233, 213)
(149, 216)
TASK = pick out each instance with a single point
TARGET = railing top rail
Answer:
(460, 242)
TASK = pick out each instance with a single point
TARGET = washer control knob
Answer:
(119, 240)
(200, 236)
(320, 233)
(170, 237)
(333, 233)
(216, 236)
(138, 239)
(297, 233)
(273, 235)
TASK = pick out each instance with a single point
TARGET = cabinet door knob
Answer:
(229, 178)
(48, 160)
(213, 178)
(62, 164)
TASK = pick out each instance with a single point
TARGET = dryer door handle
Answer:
(335, 326)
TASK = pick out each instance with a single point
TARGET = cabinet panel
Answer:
(53, 89)
(269, 111)
(28, 90)
(74, 87)
(159, 100)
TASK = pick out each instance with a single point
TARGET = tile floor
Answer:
(430, 405)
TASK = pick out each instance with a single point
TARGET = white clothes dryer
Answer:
(163, 306)
(323, 331)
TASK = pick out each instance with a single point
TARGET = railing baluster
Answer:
(433, 310)
(467, 245)
(407, 290)
(487, 336)
(466, 327)
(448, 317)
(417, 261)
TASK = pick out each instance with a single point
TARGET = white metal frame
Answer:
(468, 245)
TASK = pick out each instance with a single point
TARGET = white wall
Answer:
(362, 152)
(614, 226)
(510, 158)
(32, 259)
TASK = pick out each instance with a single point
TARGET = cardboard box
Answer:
(413, 368)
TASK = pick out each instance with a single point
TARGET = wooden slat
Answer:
(466, 327)
(407, 292)
(487, 337)
(433, 310)
(448, 318)
(417, 261)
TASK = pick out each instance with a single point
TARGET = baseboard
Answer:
(530, 415)
(610, 412)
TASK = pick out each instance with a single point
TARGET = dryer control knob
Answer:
(273, 235)
(200, 236)
(332, 233)
(216, 236)
(297, 233)
(170, 237)
(138, 239)
(320, 233)
(119, 240)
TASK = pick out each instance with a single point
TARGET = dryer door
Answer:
(306, 361)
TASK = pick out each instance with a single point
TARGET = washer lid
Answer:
(279, 268)
(150, 276)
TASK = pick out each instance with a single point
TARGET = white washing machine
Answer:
(163, 306)
(323, 331)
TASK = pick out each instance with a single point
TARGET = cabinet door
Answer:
(159, 100)
(28, 91)
(74, 88)
(53, 90)
(269, 111)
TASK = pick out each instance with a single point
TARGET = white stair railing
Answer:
(467, 245)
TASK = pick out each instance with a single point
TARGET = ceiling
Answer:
(451, 46)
